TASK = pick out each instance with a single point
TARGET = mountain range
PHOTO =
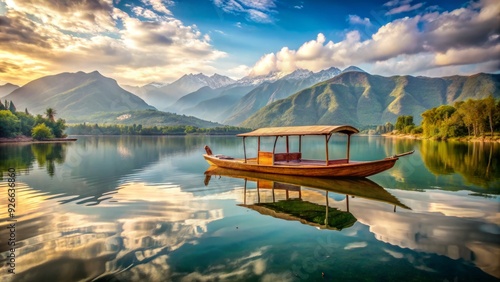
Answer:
(164, 95)
(234, 103)
(362, 99)
(330, 96)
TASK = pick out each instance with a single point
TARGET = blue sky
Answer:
(140, 41)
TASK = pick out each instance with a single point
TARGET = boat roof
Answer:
(301, 130)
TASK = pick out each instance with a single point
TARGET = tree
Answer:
(27, 122)
(2, 107)
(58, 128)
(50, 114)
(9, 124)
(404, 123)
(42, 131)
(12, 108)
(489, 108)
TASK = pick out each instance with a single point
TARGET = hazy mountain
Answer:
(215, 105)
(163, 96)
(268, 92)
(6, 89)
(75, 94)
(359, 98)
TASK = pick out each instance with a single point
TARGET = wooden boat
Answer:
(303, 207)
(292, 163)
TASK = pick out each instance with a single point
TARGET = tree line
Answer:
(14, 123)
(477, 118)
(115, 129)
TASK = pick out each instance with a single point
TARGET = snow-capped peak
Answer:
(298, 74)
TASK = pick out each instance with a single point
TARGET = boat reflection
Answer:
(298, 198)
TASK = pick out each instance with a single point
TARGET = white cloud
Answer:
(160, 5)
(159, 49)
(255, 10)
(76, 16)
(404, 8)
(461, 37)
(354, 19)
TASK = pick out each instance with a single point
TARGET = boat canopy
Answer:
(301, 130)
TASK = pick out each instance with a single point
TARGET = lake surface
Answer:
(131, 208)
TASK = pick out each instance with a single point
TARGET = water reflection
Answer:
(134, 227)
(290, 198)
(136, 208)
(477, 162)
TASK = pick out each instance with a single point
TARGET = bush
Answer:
(41, 131)
(417, 130)
(9, 124)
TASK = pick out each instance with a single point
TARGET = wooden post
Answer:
(327, 206)
(347, 201)
(300, 143)
(348, 147)
(274, 147)
(245, 193)
(287, 149)
(326, 148)
(258, 193)
(258, 150)
(244, 149)
(273, 191)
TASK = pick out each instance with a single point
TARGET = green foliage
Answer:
(417, 130)
(2, 107)
(15, 123)
(471, 117)
(27, 122)
(12, 108)
(9, 124)
(404, 124)
(50, 114)
(42, 131)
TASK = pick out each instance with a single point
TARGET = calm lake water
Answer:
(134, 208)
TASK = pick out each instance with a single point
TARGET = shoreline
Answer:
(24, 139)
(457, 139)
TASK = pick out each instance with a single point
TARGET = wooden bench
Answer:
(267, 158)
(281, 157)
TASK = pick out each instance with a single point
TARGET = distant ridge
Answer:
(163, 96)
(75, 94)
(6, 89)
(360, 99)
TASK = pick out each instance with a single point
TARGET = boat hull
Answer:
(351, 169)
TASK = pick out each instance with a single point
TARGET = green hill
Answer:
(75, 95)
(360, 99)
(145, 118)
